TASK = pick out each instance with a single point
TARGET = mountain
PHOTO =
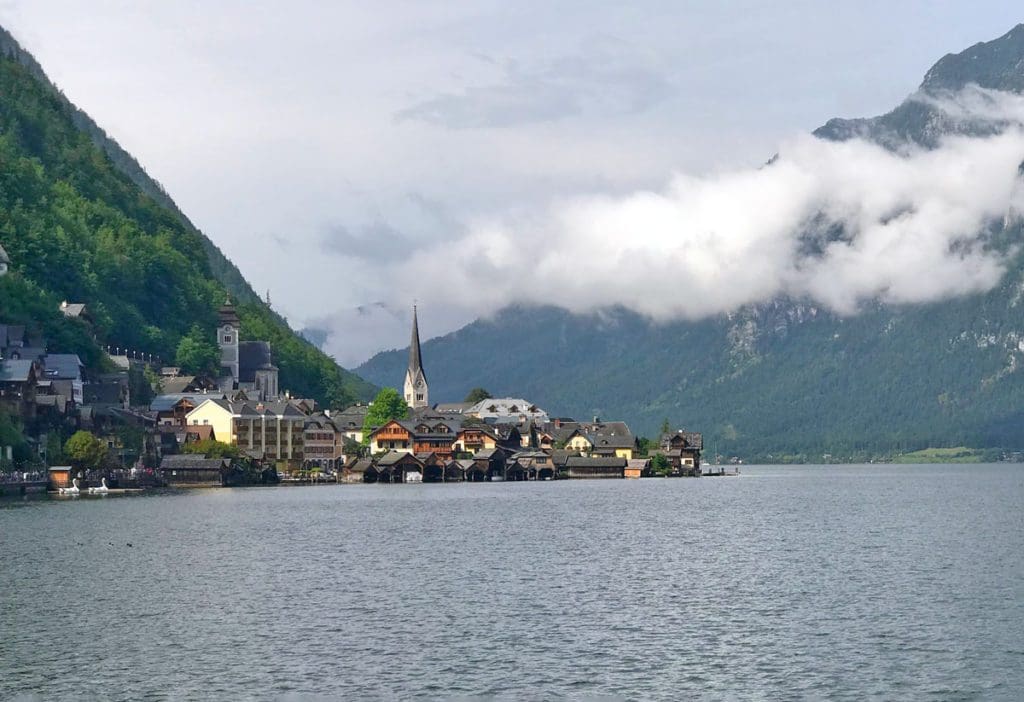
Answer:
(784, 380)
(82, 221)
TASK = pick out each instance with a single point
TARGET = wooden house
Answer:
(392, 436)
(194, 471)
(585, 467)
(393, 466)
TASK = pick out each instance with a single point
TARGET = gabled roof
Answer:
(187, 461)
(16, 371)
(395, 457)
(66, 366)
(72, 309)
(166, 402)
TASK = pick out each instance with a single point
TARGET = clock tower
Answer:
(416, 394)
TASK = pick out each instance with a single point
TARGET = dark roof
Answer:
(165, 403)
(253, 356)
(72, 309)
(185, 461)
(559, 457)
(584, 462)
(362, 465)
(16, 371)
(394, 457)
(415, 356)
(33, 353)
(227, 314)
(693, 439)
(66, 366)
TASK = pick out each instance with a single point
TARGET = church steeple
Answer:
(416, 392)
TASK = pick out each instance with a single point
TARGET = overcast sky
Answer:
(337, 151)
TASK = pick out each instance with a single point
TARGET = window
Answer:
(227, 338)
(419, 396)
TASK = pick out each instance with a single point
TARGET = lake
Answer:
(808, 582)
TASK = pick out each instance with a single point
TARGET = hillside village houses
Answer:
(244, 405)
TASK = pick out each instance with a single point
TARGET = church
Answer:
(245, 365)
(417, 394)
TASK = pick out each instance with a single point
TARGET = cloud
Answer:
(606, 76)
(837, 223)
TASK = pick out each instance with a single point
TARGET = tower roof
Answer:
(415, 356)
(227, 314)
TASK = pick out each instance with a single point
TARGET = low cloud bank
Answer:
(837, 223)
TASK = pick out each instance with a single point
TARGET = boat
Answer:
(414, 476)
(101, 490)
(73, 490)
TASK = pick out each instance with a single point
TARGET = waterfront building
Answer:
(265, 430)
(683, 449)
(592, 467)
(417, 393)
(323, 444)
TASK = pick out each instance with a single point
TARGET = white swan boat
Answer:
(101, 490)
(73, 490)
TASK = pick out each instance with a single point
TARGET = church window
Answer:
(419, 397)
(227, 338)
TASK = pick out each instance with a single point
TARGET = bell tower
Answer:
(227, 338)
(417, 395)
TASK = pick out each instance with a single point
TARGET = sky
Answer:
(353, 158)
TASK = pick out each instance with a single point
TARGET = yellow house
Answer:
(269, 430)
(579, 443)
(217, 414)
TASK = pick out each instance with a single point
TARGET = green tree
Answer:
(85, 451)
(477, 394)
(211, 448)
(386, 406)
(660, 464)
(666, 428)
(196, 353)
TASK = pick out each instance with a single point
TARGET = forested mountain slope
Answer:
(82, 222)
(784, 379)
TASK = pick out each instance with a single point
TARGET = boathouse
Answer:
(584, 467)
(185, 470)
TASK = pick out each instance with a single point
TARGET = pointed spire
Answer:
(415, 357)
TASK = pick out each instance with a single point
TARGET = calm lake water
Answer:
(840, 582)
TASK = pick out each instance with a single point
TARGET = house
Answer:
(65, 367)
(508, 410)
(538, 464)
(18, 380)
(323, 444)
(683, 449)
(612, 439)
(475, 437)
(350, 421)
(392, 436)
(588, 467)
(76, 310)
(265, 430)
(172, 408)
(435, 437)
(194, 471)
(5, 261)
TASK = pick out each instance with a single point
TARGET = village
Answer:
(241, 428)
